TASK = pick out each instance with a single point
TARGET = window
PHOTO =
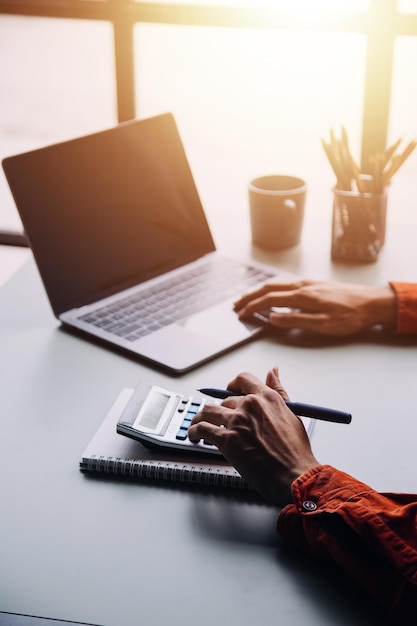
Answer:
(258, 80)
(63, 88)
(251, 96)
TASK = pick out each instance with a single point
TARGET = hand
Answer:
(328, 308)
(259, 435)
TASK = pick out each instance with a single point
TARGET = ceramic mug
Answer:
(276, 205)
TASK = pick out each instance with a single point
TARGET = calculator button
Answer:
(181, 435)
(182, 406)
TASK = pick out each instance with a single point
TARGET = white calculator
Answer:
(160, 418)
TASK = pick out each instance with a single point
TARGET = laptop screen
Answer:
(109, 210)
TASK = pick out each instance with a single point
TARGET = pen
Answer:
(299, 408)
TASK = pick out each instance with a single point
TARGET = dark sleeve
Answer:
(370, 535)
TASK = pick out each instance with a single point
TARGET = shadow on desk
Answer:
(322, 583)
(226, 517)
(307, 339)
(318, 582)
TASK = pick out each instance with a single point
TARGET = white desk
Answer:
(121, 554)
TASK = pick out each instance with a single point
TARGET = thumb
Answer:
(273, 381)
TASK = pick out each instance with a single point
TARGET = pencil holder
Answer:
(358, 227)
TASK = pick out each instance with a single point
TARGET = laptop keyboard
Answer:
(176, 298)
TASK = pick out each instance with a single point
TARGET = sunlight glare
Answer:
(304, 7)
(318, 6)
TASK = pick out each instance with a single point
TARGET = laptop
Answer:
(118, 231)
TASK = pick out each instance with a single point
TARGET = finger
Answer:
(273, 381)
(297, 319)
(245, 383)
(207, 431)
(316, 322)
(289, 299)
(212, 413)
(265, 289)
(251, 295)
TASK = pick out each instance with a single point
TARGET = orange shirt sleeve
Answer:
(406, 306)
(371, 536)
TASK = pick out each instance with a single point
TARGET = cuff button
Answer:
(309, 506)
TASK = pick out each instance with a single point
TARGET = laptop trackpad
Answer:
(219, 323)
(196, 338)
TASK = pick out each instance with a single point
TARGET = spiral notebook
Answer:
(112, 454)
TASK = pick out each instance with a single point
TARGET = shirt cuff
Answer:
(406, 307)
(320, 490)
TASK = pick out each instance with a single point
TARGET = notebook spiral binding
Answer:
(166, 471)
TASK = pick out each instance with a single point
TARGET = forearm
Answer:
(380, 306)
(371, 536)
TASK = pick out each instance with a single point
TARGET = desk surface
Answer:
(118, 554)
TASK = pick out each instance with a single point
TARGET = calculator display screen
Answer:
(155, 406)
